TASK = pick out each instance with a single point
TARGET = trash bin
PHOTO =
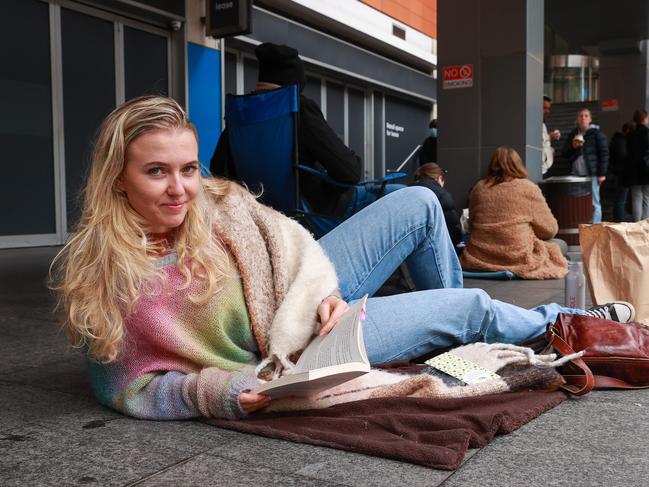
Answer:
(569, 198)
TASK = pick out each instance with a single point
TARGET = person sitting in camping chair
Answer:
(319, 147)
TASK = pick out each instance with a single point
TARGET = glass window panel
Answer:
(250, 74)
(145, 63)
(313, 90)
(356, 121)
(26, 120)
(379, 136)
(230, 73)
(336, 108)
(88, 95)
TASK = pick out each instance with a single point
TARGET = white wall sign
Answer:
(393, 130)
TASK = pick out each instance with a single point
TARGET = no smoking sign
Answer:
(460, 76)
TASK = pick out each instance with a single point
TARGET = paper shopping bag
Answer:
(616, 259)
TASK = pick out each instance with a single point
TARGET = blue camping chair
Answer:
(262, 131)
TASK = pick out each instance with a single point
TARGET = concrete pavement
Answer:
(53, 433)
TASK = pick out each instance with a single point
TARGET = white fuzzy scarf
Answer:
(285, 273)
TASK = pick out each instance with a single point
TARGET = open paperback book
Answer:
(327, 361)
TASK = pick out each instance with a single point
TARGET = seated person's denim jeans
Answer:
(408, 225)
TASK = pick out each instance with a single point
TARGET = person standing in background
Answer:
(548, 151)
(618, 165)
(587, 148)
(638, 165)
(428, 152)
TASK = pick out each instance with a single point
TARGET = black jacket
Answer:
(428, 151)
(617, 153)
(595, 150)
(451, 215)
(318, 147)
(635, 169)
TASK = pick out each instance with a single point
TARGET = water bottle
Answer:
(575, 286)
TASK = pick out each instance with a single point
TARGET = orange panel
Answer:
(429, 10)
(395, 10)
(430, 13)
(421, 15)
(404, 3)
(373, 3)
(416, 23)
(417, 8)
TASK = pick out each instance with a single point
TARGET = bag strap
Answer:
(602, 381)
(577, 385)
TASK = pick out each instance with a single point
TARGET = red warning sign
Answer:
(460, 76)
(611, 105)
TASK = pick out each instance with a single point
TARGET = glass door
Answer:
(75, 66)
(27, 188)
(88, 95)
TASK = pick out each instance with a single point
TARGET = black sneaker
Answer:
(619, 311)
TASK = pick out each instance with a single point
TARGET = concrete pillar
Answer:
(503, 40)
(622, 77)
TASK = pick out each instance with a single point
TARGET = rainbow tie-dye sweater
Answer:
(180, 359)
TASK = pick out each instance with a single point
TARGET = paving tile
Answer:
(526, 294)
(208, 470)
(53, 432)
(599, 439)
(481, 283)
(30, 343)
(66, 374)
(523, 285)
(97, 446)
(21, 404)
(17, 312)
(525, 300)
(345, 468)
(49, 456)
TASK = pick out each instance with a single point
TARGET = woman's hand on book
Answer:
(253, 402)
(330, 310)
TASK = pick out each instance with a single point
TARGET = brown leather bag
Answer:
(617, 354)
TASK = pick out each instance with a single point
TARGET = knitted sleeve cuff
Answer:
(216, 392)
(240, 382)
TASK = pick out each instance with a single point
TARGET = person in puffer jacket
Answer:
(587, 148)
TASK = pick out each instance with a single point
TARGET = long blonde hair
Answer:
(103, 270)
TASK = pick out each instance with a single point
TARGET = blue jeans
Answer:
(619, 209)
(597, 205)
(409, 225)
(640, 202)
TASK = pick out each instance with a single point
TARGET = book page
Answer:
(343, 344)
(298, 385)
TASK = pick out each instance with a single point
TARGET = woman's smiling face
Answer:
(161, 177)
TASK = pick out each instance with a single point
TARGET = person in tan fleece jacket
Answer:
(511, 224)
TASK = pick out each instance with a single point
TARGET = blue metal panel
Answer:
(204, 72)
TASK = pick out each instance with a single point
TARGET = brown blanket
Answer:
(431, 432)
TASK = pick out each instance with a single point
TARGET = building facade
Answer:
(370, 67)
